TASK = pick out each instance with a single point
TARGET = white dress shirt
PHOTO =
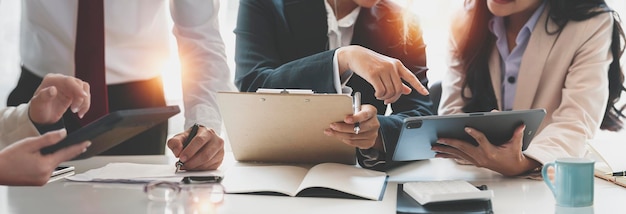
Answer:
(136, 46)
(340, 33)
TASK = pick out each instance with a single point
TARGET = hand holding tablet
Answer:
(113, 129)
(420, 133)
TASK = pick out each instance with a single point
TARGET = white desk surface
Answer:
(511, 195)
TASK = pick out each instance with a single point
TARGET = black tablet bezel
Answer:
(113, 129)
(418, 134)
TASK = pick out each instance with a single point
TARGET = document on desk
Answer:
(136, 173)
(330, 180)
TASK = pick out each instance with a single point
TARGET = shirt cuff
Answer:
(42, 129)
(372, 157)
(339, 81)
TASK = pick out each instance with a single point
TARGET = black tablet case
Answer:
(407, 205)
(113, 129)
(419, 133)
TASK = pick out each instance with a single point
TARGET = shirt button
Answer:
(511, 80)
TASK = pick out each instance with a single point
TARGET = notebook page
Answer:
(346, 178)
(251, 179)
(610, 150)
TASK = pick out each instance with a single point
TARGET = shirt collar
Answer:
(345, 22)
(496, 25)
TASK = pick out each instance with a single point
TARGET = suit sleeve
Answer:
(15, 125)
(452, 82)
(413, 56)
(411, 105)
(259, 63)
(390, 127)
(584, 95)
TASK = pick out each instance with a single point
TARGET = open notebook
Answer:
(609, 156)
(330, 180)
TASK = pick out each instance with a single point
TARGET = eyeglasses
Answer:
(165, 191)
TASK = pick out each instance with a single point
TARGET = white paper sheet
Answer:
(610, 148)
(136, 173)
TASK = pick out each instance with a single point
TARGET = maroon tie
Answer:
(89, 56)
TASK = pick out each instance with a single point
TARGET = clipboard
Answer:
(285, 127)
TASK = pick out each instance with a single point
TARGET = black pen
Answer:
(357, 108)
(192, 134)
(622, 173)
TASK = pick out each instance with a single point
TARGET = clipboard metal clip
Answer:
(284, 91)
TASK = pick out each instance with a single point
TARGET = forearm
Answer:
(343, 58)
(312, 72)
(452, 101)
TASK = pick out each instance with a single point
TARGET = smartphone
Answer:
(62, 170)
(202, 179)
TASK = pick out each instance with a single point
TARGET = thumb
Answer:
(70, 152)
(40, 105)
(366, 113)
(50, 138)
(518, 136)
(176, 143)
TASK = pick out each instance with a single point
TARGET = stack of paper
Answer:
(136, 173)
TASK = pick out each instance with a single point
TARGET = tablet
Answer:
(114, 128)
(419, 133)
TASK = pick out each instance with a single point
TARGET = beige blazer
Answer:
(566, 74)
(15, 125)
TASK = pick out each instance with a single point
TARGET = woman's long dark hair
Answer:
(475, 48)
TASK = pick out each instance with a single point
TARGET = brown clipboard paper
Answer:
(285, 127)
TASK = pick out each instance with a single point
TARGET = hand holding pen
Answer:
(359, 129)
(198, 148)
(192, 134)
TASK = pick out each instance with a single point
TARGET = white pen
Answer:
(357, 108)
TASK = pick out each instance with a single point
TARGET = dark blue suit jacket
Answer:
(284, 44)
